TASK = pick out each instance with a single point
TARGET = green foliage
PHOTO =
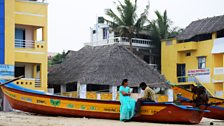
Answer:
(126, 22)
(161, 28)
(57, 59)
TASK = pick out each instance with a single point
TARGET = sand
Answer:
(28, 119)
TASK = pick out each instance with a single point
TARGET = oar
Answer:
(15, 79)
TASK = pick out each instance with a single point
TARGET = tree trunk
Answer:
(130, 42)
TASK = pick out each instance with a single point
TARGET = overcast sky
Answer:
(69, 21)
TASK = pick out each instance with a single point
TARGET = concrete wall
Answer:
(174, 53)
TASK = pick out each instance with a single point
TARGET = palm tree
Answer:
(161, 27)
(127, 23)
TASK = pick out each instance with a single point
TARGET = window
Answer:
(39, 34)
(20, 38)
(105, 34)
(188, 54)
(201, 62)
(94, 31)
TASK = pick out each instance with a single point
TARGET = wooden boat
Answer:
(38, 102)
(216, 106)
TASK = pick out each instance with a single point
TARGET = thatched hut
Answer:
(201, 29)
(102, 68)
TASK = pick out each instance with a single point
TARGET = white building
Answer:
(101, 34)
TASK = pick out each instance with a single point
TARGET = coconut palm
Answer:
(126, 22)
(161, 27)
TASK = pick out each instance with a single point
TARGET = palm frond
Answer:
(116, 18)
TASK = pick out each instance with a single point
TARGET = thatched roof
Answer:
(203, 26)
(106, 65)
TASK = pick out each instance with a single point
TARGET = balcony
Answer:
(136, 42)
(218, 76)
(29, 44)
(31, 83)
(188, 46)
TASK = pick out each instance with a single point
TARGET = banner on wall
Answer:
(6, 70)
(198, 72)
(203, 75)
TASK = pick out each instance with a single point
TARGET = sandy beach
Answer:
(28, 119)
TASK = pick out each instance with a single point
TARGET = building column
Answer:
(214, 35)
(9, 32)
(169, 93)
(63, 88)
(35, 71)
(113, 89)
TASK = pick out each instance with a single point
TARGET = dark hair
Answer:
(143, 84)
(124, 81)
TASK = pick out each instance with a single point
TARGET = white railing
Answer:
(40, 1)
(218, 70)
(20, 43)
(37, 82)
(123, 41)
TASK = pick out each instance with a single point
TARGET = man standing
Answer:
(149, 95)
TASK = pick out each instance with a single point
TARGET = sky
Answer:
(69, 21)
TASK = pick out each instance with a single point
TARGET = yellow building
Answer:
(23, 42)
(196, 56)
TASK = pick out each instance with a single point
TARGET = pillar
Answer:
(63, 88)
(113, 89)
(81, 90)
(35, 71)
(169, 93)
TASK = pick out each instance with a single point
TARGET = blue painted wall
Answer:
(2, 31)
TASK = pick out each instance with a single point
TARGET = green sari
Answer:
(127, 107)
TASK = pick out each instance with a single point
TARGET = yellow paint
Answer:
(72, 94)
(218, 60)
(187, 46)
(91, 95)
(77, 105)
(218, 87)
(182, 92)
(214, 35)
(9, 31)
(175, 53)
(33, 15)
(106, 96)
(162, 98)
(26, 83)
(219, 77)
(169, 58)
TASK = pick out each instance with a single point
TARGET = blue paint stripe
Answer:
(217, 107)
(2, 31)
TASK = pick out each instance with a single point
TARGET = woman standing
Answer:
(127, 103)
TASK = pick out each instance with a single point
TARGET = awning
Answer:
(218, 46)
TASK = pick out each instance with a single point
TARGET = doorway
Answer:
(181, 72)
